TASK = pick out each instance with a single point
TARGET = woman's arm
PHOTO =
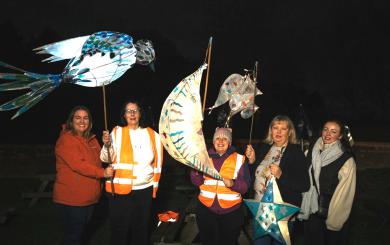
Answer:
(196, 177)
(295, 175)
(68, 151)
(241, 183)
(108, 147)
(341, 203)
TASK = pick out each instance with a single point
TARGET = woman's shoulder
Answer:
(295, 150)
(152, 131)
(93, 139)
(262, 150)
(66, 139)
(264, 147)
(348, 158)
(116, 128)
(294, 147)
(66, 135)
(348, 167)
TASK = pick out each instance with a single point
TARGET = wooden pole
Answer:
(105, 107)
(107, 148)
(254, 96)
(208, 55)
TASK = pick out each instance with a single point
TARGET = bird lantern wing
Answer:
(62, 50)
(105, 56)
(242, 99)
(239, 91)
(94, 60)
(228, 88)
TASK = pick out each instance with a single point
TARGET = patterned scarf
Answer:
(263, 172)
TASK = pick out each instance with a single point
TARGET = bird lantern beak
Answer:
(151, 66)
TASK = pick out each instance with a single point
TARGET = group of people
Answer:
(135, 153)
(320, 181)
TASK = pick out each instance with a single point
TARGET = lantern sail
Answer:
(180, 125)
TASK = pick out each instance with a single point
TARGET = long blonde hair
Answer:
(292, 136)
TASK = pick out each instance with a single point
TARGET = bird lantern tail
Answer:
(40, 85)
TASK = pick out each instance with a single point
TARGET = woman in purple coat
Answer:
(219, 213)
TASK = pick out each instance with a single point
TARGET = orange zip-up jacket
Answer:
(78, 170)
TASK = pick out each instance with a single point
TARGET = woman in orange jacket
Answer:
(77, 185)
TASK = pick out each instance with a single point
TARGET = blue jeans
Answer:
(74, 220)
(268, 240)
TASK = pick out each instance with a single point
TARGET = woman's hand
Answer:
(263, 188)
(250, 154)
(106, 138)
(275, 170)
(228, 182)
(109, 172)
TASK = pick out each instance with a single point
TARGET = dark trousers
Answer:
(219, 229)
(74, 220)
(129, 217)
(315, 232)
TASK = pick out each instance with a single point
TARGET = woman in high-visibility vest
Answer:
(136, 154)
(220, 214)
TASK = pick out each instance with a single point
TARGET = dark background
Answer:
(331, 56)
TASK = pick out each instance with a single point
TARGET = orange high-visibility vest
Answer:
(213, 188)
(124, 164)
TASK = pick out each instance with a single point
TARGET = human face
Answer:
(331, 132)
(80, 122)
(132, 115)
(221, 144)
(280, 133)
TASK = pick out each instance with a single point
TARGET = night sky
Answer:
(331, 56)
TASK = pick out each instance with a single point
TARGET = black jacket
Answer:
(295, 177)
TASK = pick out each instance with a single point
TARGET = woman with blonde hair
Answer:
(281, 157)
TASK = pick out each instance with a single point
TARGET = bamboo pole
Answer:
(208, 56)
(106, 128)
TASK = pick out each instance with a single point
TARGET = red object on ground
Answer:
(168, 216)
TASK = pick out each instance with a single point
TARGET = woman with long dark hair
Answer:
(327, 205)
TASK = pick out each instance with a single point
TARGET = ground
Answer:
(370, 217)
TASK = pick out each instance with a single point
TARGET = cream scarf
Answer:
(322, 155)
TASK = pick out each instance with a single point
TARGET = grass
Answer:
(370, 219)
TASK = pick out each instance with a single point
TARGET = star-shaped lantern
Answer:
(271, 214)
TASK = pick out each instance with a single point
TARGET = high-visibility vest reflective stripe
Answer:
(157, 162)
(123, 160)
(212, 188)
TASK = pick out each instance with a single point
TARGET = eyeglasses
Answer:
(129, 111)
